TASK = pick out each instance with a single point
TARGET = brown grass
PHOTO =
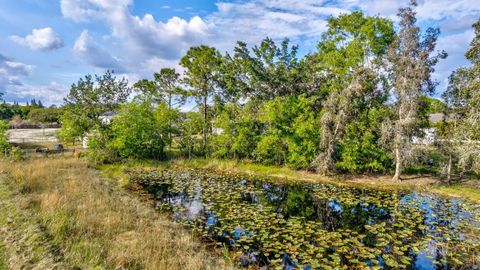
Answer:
(99, 225)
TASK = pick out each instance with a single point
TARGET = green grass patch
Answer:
(3, 257)
(461, 191)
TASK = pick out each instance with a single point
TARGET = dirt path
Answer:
(26, 244)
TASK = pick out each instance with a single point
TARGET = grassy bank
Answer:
(58, 213)
(468, 190)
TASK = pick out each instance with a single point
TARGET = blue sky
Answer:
(46, 45)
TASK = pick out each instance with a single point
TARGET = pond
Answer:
(269, 225)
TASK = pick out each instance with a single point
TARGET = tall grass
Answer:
(101, 226)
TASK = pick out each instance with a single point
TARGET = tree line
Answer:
(354, 105)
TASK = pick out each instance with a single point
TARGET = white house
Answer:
(429, 133)
(105, 119)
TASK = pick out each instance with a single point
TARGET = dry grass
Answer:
(98, 225)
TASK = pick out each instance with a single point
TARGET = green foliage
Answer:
(7, 111)
(74, 126)
(291, 134)
(462, 129)
(164, 88)
(434, 105)
(361, 151)
(350, 39)
(269, 71)
(44, 115)
(3, 136)
(136, 132)
(190, 130)
(238, 129)
(87, 100)
(202, 65)
(15, 154)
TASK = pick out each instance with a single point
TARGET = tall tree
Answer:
(463, 98)
(410, 68)
(202, 65)
(89, 98)
(348, 64)
(95, 97)
(165, 88)
(269, 71)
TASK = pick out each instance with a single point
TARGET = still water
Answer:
(267, 225)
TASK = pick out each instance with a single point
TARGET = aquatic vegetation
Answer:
(319, 226)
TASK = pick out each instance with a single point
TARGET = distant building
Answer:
(217, 131)
(435, 117)
(107, 117)
(429, 133)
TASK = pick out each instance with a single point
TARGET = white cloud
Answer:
(251, 21)
(86, 10)
(153, 38)
(455, 45)
(12, 77)
(12, 72)
(41, 39)
(95, 55)
(447, 9)
(52, 93)
(145, 37)
(151, 43)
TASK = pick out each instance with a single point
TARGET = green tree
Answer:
(349, 61)
(165, 89)
(291, 132)
(360, 149)
(463, 99)
(89, 98)
(202, 65)
(44, 115)
(267, 72)
(3, 136)
(190, 130)
(238, 129)
(74, 126)
(136, 132)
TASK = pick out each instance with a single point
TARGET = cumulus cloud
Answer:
(251, 21)
(143, 37)
(94, 54)
(41, 39)
(164, 39)
(49, 94)
(152, 43)
(12, 77)
(12, 72)
(86, 10)
(455, 45)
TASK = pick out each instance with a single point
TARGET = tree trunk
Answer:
(449, 169)
(205, 122)
(398, 163)
(170, 122)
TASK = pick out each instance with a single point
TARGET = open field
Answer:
(59, 214)
(47, 135)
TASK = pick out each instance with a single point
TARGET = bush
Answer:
(15, 154)
(137, 133)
